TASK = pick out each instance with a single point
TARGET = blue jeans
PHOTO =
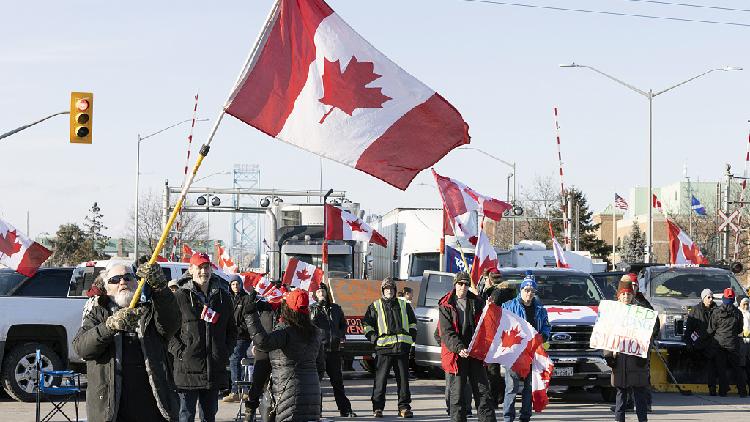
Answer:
(208, 400)
(513, 386)
(235, 361)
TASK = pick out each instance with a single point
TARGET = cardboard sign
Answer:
(623, 328)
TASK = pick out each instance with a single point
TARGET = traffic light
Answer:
(81, 113)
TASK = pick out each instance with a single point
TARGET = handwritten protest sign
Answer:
(623, 328)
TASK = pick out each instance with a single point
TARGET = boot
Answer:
(249, 415)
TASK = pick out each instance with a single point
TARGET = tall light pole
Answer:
(515, 184)
(138, 174)
(650, 94)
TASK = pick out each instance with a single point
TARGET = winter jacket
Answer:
(101, 348)
(455, 338)
(400, 330)
(294, 374)
(640, 300)
(201, 349)
(697, 327)
(543, 326)
(627, 370)
(239, 303)
(726, 326)
(330, 320)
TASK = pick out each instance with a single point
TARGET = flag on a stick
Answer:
(343, 225)
(20, 253)
(485, 258)
(317, 84)
(302, 275)
(696, 205)
(682, 249)
(620, 203)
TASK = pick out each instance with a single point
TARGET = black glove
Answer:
(251, 304)
(153, 275)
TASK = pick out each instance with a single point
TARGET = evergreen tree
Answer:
(70, 245)
(588, 240)
(634, 245)
(96, 240)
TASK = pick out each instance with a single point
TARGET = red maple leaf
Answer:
(347, 91)
(303, 275)
(356, 226)
(8, 243)
(511, 337)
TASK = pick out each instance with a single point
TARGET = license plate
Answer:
(565, 371)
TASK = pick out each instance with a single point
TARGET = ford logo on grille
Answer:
(561, 337)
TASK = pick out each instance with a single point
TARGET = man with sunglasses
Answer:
(528, 307)
(125, 349)
(459, 311)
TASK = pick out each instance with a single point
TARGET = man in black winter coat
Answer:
(702, 346)
(459, 312)
(239, 303)
(726, 326)
(125, 349)
(269, 316)
(390, 324)
(206, 338)
(329, 318)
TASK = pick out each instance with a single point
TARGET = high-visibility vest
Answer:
(384, 339)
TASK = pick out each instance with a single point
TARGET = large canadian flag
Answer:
(460, 199)
(682, 249)
(485, 257)
(505, 338)
(20, 253)
(316, 83)
(343, 225)
(302, 275)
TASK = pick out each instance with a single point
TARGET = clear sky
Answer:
(498, 64)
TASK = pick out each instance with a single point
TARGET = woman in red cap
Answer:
(294, 348)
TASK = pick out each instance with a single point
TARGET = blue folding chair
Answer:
(60, 387)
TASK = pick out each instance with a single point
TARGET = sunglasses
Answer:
(462, 283)
(115, 279)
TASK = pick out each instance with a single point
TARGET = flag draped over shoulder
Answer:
(20, 253)
(505, 338)
(317, 84)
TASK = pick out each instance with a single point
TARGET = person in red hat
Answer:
(294, 347)
(726, 327)
(629, 372)
(206, 339)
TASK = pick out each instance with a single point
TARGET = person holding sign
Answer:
(629, 371)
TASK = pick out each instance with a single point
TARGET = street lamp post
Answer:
(138, 174)
(650, 94)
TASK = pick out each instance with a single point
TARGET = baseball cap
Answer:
(199, 258)
(728, 293)
(298, 301)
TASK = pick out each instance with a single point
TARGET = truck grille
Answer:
(570, 338)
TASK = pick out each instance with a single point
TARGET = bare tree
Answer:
(150, 226)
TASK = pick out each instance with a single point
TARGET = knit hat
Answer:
(744, 300)
(388, 283)
(706, 292)
(462, 277)
(173, 282)
(529, 280)
(728, 296)
(299, 301)
(625, 286)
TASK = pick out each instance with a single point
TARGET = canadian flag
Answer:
(186, 253)
(250, 279)
(682, 249)
(317, 84)
(485, 257)
(225, 261)
(505, 338)
(656, 203)
(20, 253)
(209, 315)
(302, 275)
(343, 225)
(560, 260)
(460, 199)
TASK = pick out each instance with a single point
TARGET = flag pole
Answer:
(252, 57)
(614, 234)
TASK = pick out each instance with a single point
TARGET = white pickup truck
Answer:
(44, 312)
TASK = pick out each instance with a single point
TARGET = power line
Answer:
(609, 13)
(694, 6)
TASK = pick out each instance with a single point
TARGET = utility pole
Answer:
(728, 174)
(569, 219)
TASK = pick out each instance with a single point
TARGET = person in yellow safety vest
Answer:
(390, 324)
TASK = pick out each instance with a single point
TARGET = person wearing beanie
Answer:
(331, 323)
(527, 306)
(745, 339)
(726, 326)
(459, 312)
(700, 344)
(638, 297)
(294, 349)
(629, 373)
(240, 299)
(390, 324)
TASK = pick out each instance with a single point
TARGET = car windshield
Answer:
(9, 280)
(562, 289)
(689, 284)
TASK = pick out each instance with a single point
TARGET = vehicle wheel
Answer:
(609, 394)
(19, 374)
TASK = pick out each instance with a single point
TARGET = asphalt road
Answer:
(428, 405)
